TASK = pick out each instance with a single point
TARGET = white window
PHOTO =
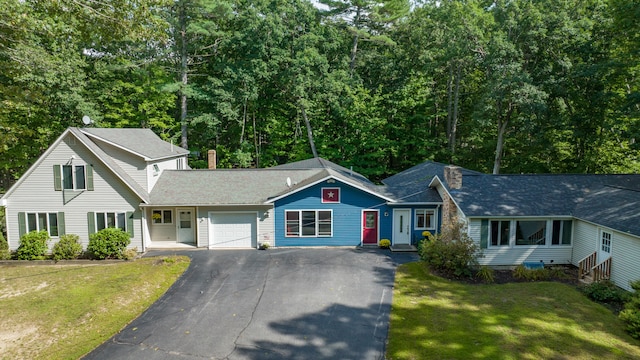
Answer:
(111, 220)
(162, 216)
(425, 219)
(500, 232)
(605, 244)
(43, 221)
(74, 177)
(561, 232)
(531, 232)
(180, 163)
(308, 223)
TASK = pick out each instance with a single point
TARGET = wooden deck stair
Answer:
(589, 270)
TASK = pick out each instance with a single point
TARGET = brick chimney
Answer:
(212, 160)
(453, 176)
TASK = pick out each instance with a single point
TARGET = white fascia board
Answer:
(325, 179)
(204, 205)
(607, 227)
(36, 164)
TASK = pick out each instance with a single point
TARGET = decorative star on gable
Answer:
(330, 195)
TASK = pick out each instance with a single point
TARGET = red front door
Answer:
(370, 227)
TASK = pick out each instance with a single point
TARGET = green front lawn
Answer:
(436, 318)
(65, 311)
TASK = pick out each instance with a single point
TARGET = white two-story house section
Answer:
(84, 183)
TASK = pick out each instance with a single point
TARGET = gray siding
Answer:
(133, 165)
(266, 229)
(36, 194)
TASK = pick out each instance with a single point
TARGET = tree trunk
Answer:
(502, 127)
(183, 76)
(454, 120)
(449, 105)
(354, 47)
(309, 131)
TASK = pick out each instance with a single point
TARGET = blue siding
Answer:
(416, 234)
(347, 215)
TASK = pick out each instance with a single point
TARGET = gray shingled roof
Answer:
(609, 200)
(106, 159)
(613, 206)
(142, 142)
(412, 185)
(320, 163)
(225, 186)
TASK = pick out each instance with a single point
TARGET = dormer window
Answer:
(156, 170)
(73, 177)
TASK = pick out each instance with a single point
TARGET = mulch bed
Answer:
(569, 275)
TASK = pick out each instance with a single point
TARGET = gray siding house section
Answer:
(35, 193)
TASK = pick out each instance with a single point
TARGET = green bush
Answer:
(631, 313)
(109, 243)
(5, 254)
(486, 274)
(67, 248)
(521, 272)
(33, 245)
(384, 243)
(452, 252)
(605, 291)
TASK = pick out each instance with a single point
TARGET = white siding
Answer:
(36, 194)
(585, 240)
(266, 227)
(625, 252)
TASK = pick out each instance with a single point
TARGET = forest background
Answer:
(502, 86)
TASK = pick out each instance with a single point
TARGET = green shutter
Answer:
(89, 169)
(91, 221)
(61, 225)
(57, 178)
(130, 223)
(484, 233)
(22, 224)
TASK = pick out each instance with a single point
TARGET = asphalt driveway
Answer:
(275, 304)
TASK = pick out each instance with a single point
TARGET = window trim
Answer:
(336, 189)
(316, 234)
(500, 221)
(425, 211)
(162, 217)
(609, 236)
(74, 177)
(37, 222)
(548, 234)
(116, 217)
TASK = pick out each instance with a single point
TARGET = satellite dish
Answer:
(87, 120)
(288, 181)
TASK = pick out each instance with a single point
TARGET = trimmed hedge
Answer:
(110, 243)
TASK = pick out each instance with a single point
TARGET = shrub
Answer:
(452, 252)
(604, 291)
(521, 272)
(384, 243)
(486, 274)
(109, 243)
(5, 254)
(631, 313)
(33, 245)
(130, 254)
(67, 248)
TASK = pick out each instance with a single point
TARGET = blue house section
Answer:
(346, 215)
(416, 232)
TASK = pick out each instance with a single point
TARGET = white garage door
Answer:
(232, 230)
